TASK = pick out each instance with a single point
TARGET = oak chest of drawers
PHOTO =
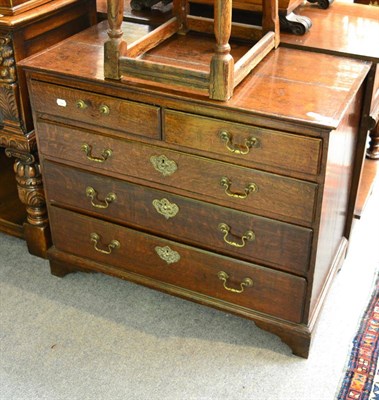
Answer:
(242, 205)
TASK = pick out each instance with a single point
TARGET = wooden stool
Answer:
(222, 75)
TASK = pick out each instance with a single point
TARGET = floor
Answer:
(94, 337)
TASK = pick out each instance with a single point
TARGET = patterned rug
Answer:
(361, 381)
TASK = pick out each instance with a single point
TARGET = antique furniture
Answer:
(368, 2)
(13, 7)
(153, 16)
(357, 26)
(240, 205)
(243, 11)
(180, 51)
(22, 35)
(289, 20)
(12, 211)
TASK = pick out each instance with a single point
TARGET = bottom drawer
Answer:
(248, 285)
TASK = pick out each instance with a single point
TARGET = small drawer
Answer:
(237, 282)
(246, 236)
(97, 110)
(246, 144)
(245, 189)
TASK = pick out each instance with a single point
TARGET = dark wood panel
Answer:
(272, 292)
(263, 148)
(12, 211)
(281, 245)
(274, 195)
(131, 117)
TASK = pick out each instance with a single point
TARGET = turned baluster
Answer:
(373, 150)
(115, 46)
(181, 9)
(222, 63)
(270, 20)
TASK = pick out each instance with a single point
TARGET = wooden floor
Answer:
(370, 176)
(12, 211)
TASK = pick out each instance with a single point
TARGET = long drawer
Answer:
(245, 144)
(242, 188)
(248, 285)
(97, 110)
(246, 236)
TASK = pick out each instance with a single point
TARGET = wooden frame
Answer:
(15, 7)
(224, 73)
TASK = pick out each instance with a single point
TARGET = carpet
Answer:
(361, 379)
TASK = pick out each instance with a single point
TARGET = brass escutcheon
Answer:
(246, 282)
(165, 208)
(249, 188)
(167, 254)
(248, 236)
(114, 244)
(227, 137)
(104, 155)
(163, 165)
(92, 194)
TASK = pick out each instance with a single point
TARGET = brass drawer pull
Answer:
(167, 254)
(243, 150)
(246, 282)
(163, 165)
(104, 109)
(165, 208)
(114, 244)
(92, 194)
(104, 155)
(248, 236)
(226, 183)
(81, 104)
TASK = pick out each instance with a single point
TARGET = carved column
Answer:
(7, 62)
(373, 150)
(9, 97)
(30, 191)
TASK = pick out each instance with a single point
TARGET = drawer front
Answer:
(97, 110)
(242, 235)
(268, 291)
(246, 144)
(242, 188)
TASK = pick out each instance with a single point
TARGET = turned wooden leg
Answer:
(115, 46)
(30, 192)
(222, 63)
(373, 150)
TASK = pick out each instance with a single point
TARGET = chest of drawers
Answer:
(225, 204)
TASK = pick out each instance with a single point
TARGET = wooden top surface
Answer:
(289, 84)
(347, 29)
(26, 17)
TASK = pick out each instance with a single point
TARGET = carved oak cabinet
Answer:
(26, 28)
(240, 205)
